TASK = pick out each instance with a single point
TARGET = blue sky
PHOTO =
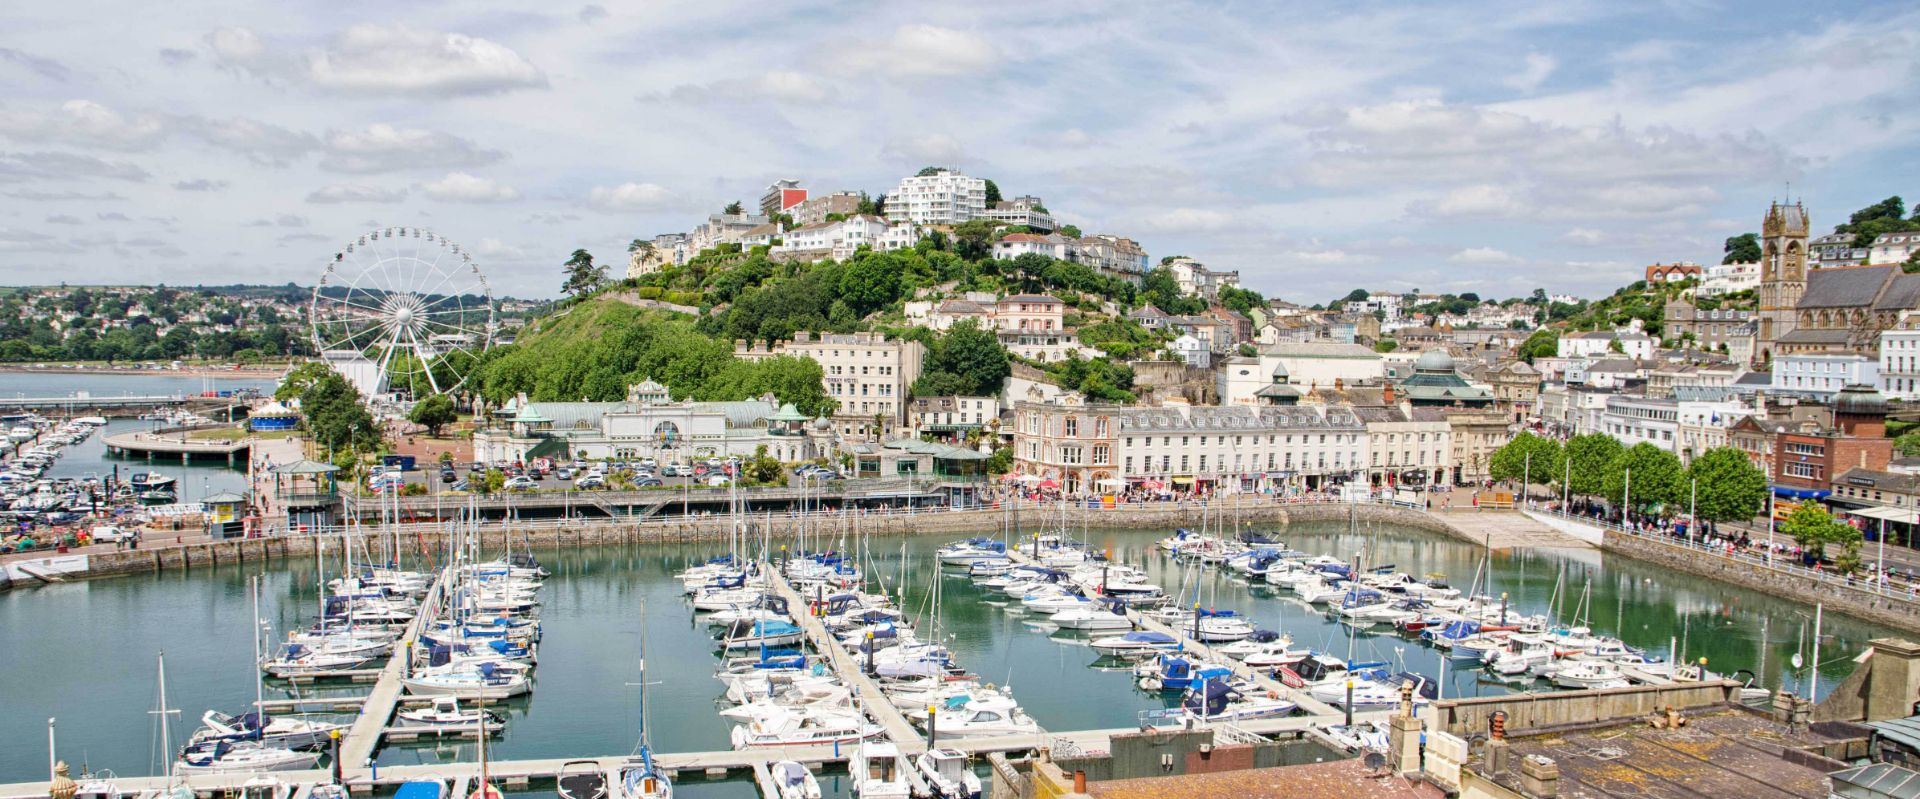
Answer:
(1485, 147)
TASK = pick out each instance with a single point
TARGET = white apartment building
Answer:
(943, 198)
(840, 240)
(1729, 278)
(1196, 280)
(951, 414)
(1894, 248)
(1836, 249)
(1051, 245)
(1404, 450)
(1183, 447)
(1811, 374)
(1633, 420)
(1389, 306)
(1900, 361)
(1703, 425)
(1599, 343)
(722, 229)
(868, 374)
(1116, 255)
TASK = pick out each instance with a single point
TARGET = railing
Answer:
(1897, 588)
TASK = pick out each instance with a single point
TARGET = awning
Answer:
(1800, 493)
(1183, 479)
(1905, 732)
(1906, 515)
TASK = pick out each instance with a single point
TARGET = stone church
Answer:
(1833, 310)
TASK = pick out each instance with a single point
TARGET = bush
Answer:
(650, 293)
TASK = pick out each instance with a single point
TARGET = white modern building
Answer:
(1196, 280)
(943, 198)
(1728, 278)
(1818, 375)
(1051, 245)
(1028, 211)
(840, 240)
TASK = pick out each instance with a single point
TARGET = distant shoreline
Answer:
(67, 369)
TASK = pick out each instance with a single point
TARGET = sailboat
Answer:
(230, 756)
(256, 725)
(639, 777)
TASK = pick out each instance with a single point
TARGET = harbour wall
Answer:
(1860, 600)
(160, 553)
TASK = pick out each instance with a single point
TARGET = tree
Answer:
(1001, 461)
(733, 208)
(929, 171)
(1730, 488)
(1527, 456)
(1543, 343)
(434, 412)
(993, 194)
(968, 361)
(1814, 529)
(1742, 249)
(299, 380)
(973, 239)
(1645, 475)
(868, 206)
(1386, 345)
(1070, 231)
(1589, 457)
(1908, 444)
(1615, 346)
(762, 469)
(582, 275)
(1912, 264)
(1241, 300)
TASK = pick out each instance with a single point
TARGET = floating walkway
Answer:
(360, 741)
(874, 701)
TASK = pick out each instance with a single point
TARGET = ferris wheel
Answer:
(408, 307)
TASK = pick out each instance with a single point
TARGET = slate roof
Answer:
(1902, 295)
(1811, 336)
(1846, 287)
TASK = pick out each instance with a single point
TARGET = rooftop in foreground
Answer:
(1338, 779)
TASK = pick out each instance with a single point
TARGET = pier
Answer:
(178, 443)
(875, 702)
(360, 741)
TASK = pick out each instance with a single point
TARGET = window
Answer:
(1129, 466)
(1073, 427)
(1100, 455)
(1183, 463)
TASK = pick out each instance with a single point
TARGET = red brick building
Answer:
(1809, 457)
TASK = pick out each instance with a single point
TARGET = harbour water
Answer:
(90, 458)
(85, 652)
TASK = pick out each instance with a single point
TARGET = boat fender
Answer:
(1273, 694)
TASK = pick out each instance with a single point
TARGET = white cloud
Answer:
(928, 148)
(15, 240)
(1475, 200)
(1537, 69)
(65, 219)
(1584, 235)
(355, 193)
(1188, 220)
(1482, 255)
(199, 184)
(38, 196)
(84, 123)
(1331, 257)
(460, 187)
(631, 197)
(377, 59)
(778, 85)
(494, 248)
(113, 216)
(919, 51)
(237, 46)
(385, 148)
(27, 166)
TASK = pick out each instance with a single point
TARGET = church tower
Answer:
(1783, 274)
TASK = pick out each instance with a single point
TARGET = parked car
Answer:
(672, 470)
(718, 481)
(563, 473)
(520, 483)
(590, 481)
(648, 482)
(448, 475)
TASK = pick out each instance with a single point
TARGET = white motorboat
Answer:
(971, 551)
(1374, 693)
(296, 660)
(879, 772)
(1222, 627)
(1588, 674)
(794, 781)
(1105, 614)
(980, 712)
(803, 727)
(1139, 643)
(948, 774)
(1366, 736)
(446, 714)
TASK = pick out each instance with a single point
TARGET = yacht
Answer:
(878, 771)
(791, 780)
(227, 757)
(1139, 643)
(948, 774)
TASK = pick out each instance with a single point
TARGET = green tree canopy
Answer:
(434, 412)
(993, 194)
(1542, 343)
(929, 171)
(1527, 456)
(1742, 249)
(1815, 529)
(1730, 488)
(733, 208)
(583, 277)
(1645, 475)
(967, 361)
(1589, 458)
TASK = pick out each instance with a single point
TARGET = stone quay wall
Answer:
(1861, 601)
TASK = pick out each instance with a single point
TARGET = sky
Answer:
(1488, 147)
